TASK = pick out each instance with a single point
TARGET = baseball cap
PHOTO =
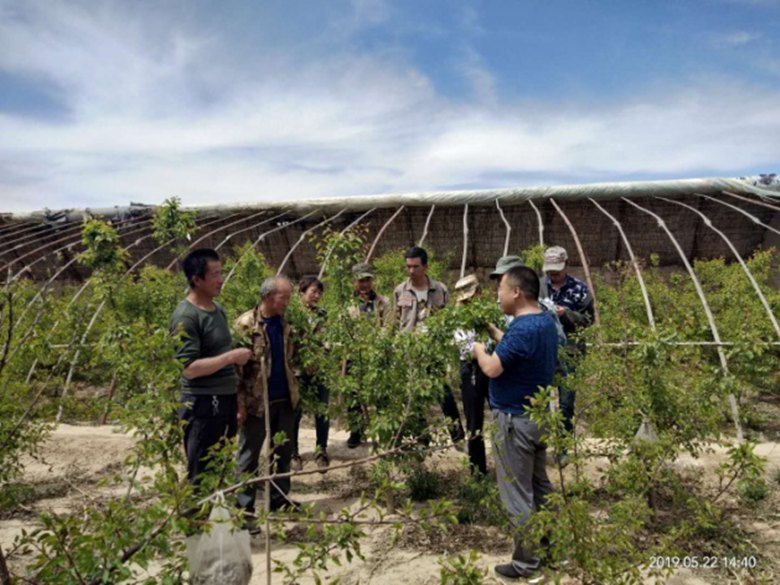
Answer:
(506, 263)
(362, 270)
(466, 288)
(554, 259)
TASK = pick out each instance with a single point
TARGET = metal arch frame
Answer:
(465, 240)
(172, 265)
(425, 229)
(540, 222)
(302, 237)
(342, 232)
(737, 255)
(86, 284)
(99, 310)
(583, 259)
(76, 243)
(753, 201)
(246, 229)
(707, 311)
(65, 267)
(634, 261)
(24, 227)
(381, 233)
(508, 228)
(259, 239)
(750, 216)
(27, 239)
(58, 241)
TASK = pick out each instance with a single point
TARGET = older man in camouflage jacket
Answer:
(268, 375)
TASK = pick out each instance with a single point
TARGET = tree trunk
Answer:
(5, 576)
(111, 388)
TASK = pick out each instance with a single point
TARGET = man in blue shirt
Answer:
(524, 360)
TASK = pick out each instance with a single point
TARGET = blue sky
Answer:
(103, 103)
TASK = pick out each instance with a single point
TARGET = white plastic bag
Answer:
(222, 557)
(646, 432)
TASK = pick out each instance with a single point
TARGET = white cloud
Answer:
(158, 112)
(736, 39)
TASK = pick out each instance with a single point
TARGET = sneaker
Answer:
(322, 460)
(507, 572)
(288, 507)
(296, 463)
(249, 524)
(354, 441)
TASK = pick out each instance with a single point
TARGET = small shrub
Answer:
(478, 502)
(753, 490)
(462, 570)
(423, 484)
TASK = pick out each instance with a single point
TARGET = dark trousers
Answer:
(250, 443)
(321, 421)
(450, 410)
(566, 398)
(207, 421)
(474, 387)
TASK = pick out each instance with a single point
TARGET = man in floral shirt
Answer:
(574, 305)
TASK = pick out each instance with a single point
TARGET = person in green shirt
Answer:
(209, 381)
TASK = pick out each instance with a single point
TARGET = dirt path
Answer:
(75, 458)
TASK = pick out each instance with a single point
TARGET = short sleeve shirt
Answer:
(528, 353)
(206, 334)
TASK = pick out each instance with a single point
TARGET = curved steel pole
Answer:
(737, 255)
(539, 220)
(753, 201)
(344, 231)
(465, 239)
(381, 232)
(705, 304)
(425, 229)
(750, 216)
(259, 239)
(508, 229)
(215, 231)
(583, 259)
(645, 296)
(303, 236)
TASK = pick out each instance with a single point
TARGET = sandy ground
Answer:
(75, 458)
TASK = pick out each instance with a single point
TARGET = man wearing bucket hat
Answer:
(473, 382)
(573, 303)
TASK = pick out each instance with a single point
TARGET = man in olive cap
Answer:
(370, 305)
(369, 302)
(504, 264)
